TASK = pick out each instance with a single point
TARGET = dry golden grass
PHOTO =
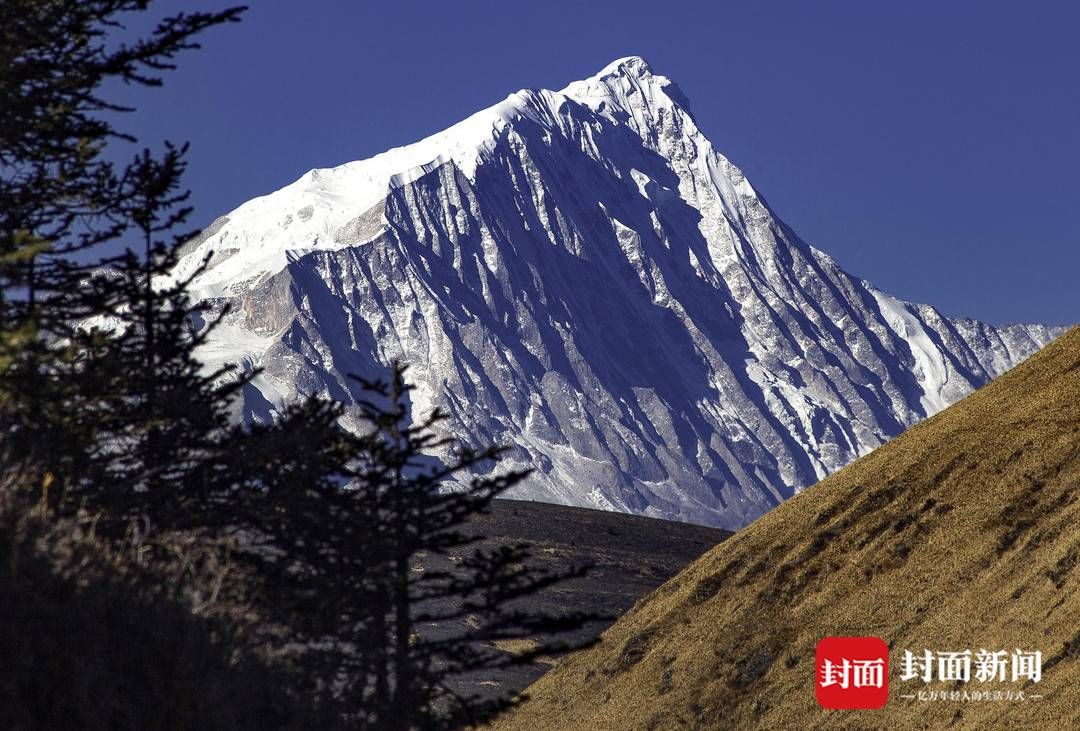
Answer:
(517, 647)
(962, 533)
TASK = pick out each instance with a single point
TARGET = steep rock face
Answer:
(581, 276)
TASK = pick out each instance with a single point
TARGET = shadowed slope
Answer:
(962, 533)
(629, 555)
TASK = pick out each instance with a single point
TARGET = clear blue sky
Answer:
(931, 147)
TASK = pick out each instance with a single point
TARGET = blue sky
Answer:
(930, 147)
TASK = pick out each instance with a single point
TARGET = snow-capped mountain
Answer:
(580, 275)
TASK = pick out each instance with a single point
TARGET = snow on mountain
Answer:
(579, 275)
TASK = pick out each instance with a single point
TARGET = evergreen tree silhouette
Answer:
(354, 548)
(104, 405)
(70, 399)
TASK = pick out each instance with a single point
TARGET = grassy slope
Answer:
(962, 533)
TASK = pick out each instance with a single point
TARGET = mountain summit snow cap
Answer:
(635, 65)
(628, 89)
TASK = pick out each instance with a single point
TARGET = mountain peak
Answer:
(475, 254)
(628, 65)
(630, 88)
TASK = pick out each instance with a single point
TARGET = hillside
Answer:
(963, 533)
(630, 556)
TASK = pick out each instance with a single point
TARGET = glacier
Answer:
(580, 276)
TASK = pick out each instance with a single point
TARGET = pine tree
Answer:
(66, 390)
(352, 547)
(166, 430)
(105, 406)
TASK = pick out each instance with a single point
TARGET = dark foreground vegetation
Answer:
(91, 640)
(160, 565)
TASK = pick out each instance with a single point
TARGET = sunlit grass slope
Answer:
(964, 532)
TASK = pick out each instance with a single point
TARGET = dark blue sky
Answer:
(931, 147)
